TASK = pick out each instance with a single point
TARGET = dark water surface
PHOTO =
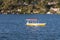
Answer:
(12, 27)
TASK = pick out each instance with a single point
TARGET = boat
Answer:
(33, 22)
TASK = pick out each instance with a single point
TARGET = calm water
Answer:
(12, 27)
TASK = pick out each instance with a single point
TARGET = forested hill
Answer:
(26, 5)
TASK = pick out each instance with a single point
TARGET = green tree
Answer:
(7, 3)
(1, 2)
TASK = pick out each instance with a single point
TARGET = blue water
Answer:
(12, 27)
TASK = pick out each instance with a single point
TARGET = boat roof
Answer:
(31, 19)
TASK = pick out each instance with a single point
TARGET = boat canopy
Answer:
(32, 19)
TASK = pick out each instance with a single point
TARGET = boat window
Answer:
(32, 20)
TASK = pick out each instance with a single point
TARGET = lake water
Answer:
(12, 27)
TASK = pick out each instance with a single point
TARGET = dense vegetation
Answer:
(13, 5)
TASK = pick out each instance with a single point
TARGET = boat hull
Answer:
(36, 24)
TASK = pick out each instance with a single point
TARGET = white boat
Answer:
(34, 23)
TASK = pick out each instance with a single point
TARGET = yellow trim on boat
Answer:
(35, 24)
